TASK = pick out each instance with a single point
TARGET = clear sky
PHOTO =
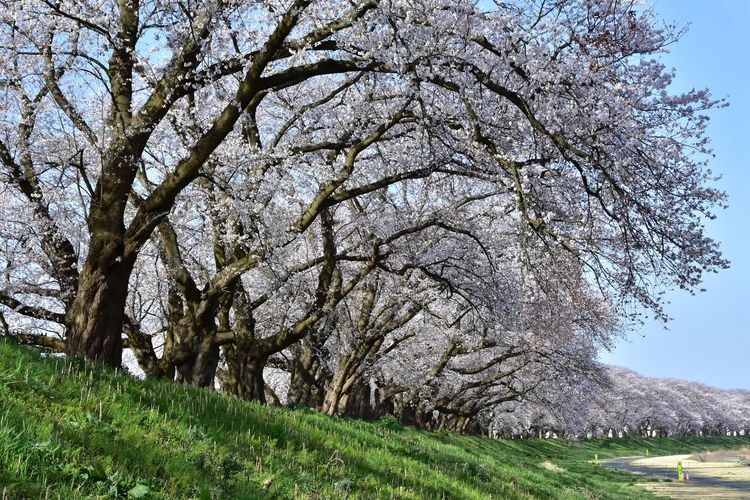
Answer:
(709, 339)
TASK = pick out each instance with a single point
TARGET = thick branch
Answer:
(162, 198)
(30, 311)
(44, 341)
(63, 103)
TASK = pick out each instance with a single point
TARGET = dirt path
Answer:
(707, 479)
(731, 471)
(692, 490)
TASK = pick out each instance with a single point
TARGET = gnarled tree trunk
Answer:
(244, 374)
(94, 320)
(199, 352)
(306, 386)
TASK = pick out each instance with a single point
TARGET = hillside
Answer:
(73, 429)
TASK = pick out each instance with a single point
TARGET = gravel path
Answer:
(695, 488)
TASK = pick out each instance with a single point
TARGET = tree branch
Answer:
(30, 311)
(53, 344)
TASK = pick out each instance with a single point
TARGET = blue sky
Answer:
(709, 339)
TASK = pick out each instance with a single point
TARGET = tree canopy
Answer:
(346, 192)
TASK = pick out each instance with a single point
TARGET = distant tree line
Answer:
(628, 404)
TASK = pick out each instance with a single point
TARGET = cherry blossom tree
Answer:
(253, 181)
(112, 73)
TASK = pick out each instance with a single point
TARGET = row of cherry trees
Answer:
(429, 207)
(626, 404)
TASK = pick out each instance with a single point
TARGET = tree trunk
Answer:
(95, 318)
(142, 347)
(245, 361)
(304, 387)
(336, 391)
(386, 400)
(467, 425)
(333, 396)
(356, 402)
(348, 393)
(206, 362)
(423, 417)
(244, 374)
(195, 347)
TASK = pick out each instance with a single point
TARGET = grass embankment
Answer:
(70, 429)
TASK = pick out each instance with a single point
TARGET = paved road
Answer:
(624, 464)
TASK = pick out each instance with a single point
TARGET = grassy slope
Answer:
(75, 429)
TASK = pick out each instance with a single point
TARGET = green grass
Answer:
(72, 429)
